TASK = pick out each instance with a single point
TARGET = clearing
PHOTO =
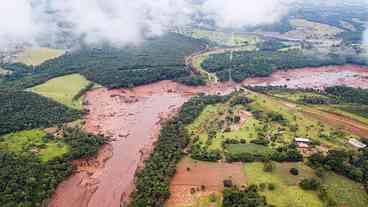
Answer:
(64, 89)
(286, 192)
(36, 56)
(35, 141)
(194, 181)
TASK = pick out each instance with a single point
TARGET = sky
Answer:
(122, 22)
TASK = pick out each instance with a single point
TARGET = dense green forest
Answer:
(349, 94)
(152, 183)
(27, 181)
(25, 110)
(262, 63)
(155, 59)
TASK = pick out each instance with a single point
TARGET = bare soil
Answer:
(131, 120)
(195, 174)
(319, 78)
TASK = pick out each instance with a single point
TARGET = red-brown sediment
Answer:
(319, 78)
(131, 119)
(195, 174)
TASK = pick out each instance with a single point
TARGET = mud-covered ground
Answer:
(319, 78)
(132, 118)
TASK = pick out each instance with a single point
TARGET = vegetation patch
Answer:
(286, 192)
(28, 180)
(37, 56)
(161, 58)
(37, 142)
(341, 191)
(25, 110)
(65, 90)
(256, 150)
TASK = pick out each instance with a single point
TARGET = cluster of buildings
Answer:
(305, 143)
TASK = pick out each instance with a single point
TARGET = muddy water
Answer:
(131, 118)
(319, 78)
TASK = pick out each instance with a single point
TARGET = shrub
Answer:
(310, 184)
(294, 171)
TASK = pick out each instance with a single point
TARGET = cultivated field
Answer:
(38, 55)
(64, 89)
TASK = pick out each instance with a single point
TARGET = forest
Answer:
(263, 63)
(25, 110)
(351, 164)
(152, 183)
(27, 181)
(155, 59)
(349, 94)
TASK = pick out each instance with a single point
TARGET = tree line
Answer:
(27, 181)
(25, 110)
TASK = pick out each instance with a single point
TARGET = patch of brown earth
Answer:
(319, 78)
(131, 120)
(339, 121)
(192, 174)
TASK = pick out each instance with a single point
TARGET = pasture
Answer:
(36, 56)
(34, 141)
(64, 89)
(344, 192)
(286, 192)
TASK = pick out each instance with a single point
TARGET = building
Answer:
(357, 144)
(302, 142)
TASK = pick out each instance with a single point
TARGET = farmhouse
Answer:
(357, 144)
(302, 142)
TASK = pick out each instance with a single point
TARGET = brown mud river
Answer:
(131, 120)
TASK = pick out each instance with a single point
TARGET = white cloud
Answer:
(240, 13)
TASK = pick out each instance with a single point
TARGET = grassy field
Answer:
(209, 127)
(356, 112)
(63, 89)
(312, 30)
(298, 124)
(33, 141)
(250, 148)
(287, 192)
(37, 56)
(221, 38)
(344, 191)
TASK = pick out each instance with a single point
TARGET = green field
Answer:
(286, 192)
(209, 128)
(221, 38)
(35, 141)
(254, 149)
(357, 112)
(344, 191)
(63, 89)
(37, 56)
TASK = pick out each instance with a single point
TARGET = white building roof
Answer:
(302, 140)
(357, 143)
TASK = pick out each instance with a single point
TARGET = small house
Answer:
(302, 142)
(357, 144)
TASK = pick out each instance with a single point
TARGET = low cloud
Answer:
(240, 13)
(122, 22)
